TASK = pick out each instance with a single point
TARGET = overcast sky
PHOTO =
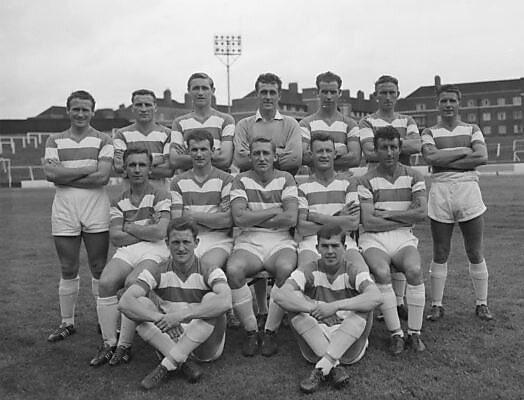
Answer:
(111, 47)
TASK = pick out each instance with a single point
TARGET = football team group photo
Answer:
(269, 226)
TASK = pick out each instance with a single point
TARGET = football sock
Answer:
(127, 331)
(151, 334)
(260, 289)
(170, 365)
(348, 333)
(479, 277)
(196, 333)
(94, 287)
(389, 308)
(438, 273)
(108, 314)
(326, 364)
(275, 312)
(416, 298)
(159, 340)
(68, 293)
(308, 328)
(243, 306)
(398, 281)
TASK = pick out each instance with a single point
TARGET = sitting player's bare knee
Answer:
(214, 258)
(108, 286)
(414, 275)
(281, 273)
(235, 275)
(382, 275)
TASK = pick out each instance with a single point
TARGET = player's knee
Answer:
(475, 254)
(107, 286)
(440, 253)
(235, 275)
(282, 273)
(382, 275)
(97, 267)
(414, 274)
(214, 258)
(69, 273)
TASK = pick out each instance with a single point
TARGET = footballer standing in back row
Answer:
(201, 89)
(145, 134)
(454, 150)
(78, 161)
(343, 130)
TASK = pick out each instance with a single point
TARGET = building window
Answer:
(472, 117)
(420, 121)
(486, 116)
(471, 103)
(501, 101)
(517, 114)
(502, 129)
(487, 130)
(485, 102)
(516, 129)
(420, 107)
(501, 115)
(517, 100)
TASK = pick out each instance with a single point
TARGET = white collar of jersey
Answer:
(258, 116)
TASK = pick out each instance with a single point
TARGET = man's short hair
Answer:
(321, 137)
(448, 88)
(201, 134)
(386, 133)
(386, 79)
(143, 92)
(268, 78)
(261, 139)
(182, 223)
(329, 231)
(130, 151)
(200, 75)
(328, 77)
(81, 95)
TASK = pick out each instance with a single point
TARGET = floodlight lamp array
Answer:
(228, 45)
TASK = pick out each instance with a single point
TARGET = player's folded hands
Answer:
(351, 208)
(323, 310)
(171, 320)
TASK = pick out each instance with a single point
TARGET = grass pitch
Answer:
(466, 358)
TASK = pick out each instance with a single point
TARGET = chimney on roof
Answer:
(360, 95)
(167, 95)
(345, 93)
(293, 87)
(438, 83)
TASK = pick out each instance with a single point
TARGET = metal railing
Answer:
(518, 149)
